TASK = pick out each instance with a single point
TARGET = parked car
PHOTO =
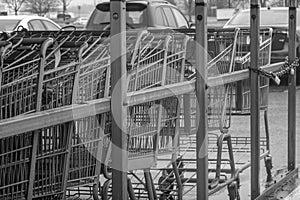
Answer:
(277, 19)
(31, 23)
(140, 14)
(81, 21)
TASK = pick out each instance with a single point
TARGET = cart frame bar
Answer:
(119, 109)
(292, 88)
(255, 96)
(201, 96)
(34, 121)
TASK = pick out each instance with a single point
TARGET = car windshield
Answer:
(267, 18)
(8, 24)
(135, 15)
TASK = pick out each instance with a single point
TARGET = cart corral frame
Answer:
(44, 121)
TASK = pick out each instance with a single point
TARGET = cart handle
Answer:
(68, 26)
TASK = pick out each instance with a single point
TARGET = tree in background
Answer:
(65, 4)
(231, 3)
(41, 7)
(275, 3)
(14, 4)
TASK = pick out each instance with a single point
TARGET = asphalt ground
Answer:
(278, 128)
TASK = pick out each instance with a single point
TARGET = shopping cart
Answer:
(241, 104)
(175, 176)
(74, 50)
(34, 164)
(168, 181)
(89, 151)
(19, 94)
(152, 126)
(220, 107)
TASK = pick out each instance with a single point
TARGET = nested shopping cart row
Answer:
(47, 70)
(228, 51)
(173, 180)
(38, 73)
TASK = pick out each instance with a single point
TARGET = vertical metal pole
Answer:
(190, 10)
(254, 86)
(118, 108)
(292, 88)
(35, 134)
(201, 94)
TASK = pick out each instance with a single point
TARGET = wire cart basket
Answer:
(48, 70)
(241, 104)
(34, 164)
(179, 178)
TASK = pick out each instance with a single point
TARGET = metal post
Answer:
(255, 96)
(118, 108)
(201, 94)
(292, 88)
(190, 10)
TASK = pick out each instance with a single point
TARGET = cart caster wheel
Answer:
(97, 191)
(269, 166)
(165, 196)
(105, 189)
(233, 191)
(106, 171)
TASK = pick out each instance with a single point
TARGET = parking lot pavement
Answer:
(278, 126)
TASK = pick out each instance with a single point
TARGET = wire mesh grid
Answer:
(221, 45)
(51, 160)
(84, 158)
(19, 80)
(221, 52)
(58, 86)
(152, 125)
(223, 159)
(93, 73)
(147, 133)
(241, 100)
(15, 154)
(147, 56)
(147, 69)
(31, 83)
(90, 151)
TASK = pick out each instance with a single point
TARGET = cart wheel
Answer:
(165, 196)
(106, 171)
(100, 189)
(96, 191)
(233, 191)
(105, 189)
(269, 166)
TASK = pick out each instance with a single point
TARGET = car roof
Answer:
(20, 17)
(264, 11)
(143, 1)
(149, 1)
